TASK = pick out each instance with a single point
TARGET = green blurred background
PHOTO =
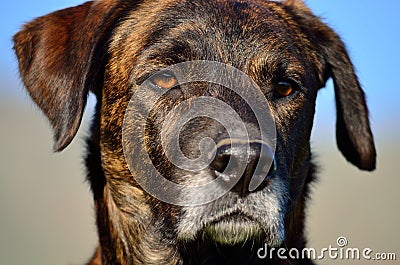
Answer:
(46, 211)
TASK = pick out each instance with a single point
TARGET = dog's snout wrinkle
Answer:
(249, 163)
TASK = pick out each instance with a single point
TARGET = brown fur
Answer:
(109, 46)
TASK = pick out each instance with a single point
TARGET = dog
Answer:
(114, 48)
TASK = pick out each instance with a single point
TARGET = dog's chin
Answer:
(233, 220)
(237, 229)
(233, 230)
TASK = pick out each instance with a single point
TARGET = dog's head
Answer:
(113, 48)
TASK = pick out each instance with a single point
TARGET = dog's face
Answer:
(112, 48)
(249, 37)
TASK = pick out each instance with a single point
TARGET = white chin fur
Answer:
(266, 212)
(232, 233)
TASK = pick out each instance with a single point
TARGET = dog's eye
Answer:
(284, 89)
(164, 80)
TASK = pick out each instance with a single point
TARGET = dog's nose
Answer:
(251, 161)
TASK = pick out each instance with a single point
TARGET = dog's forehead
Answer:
(226, 31)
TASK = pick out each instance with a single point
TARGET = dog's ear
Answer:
(61, 58)
(353, 132)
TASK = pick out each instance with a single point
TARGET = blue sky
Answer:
(370, 29)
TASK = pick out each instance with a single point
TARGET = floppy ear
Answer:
(61, 57)
(353, 132)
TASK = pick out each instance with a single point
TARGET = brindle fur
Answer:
(108, 47)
